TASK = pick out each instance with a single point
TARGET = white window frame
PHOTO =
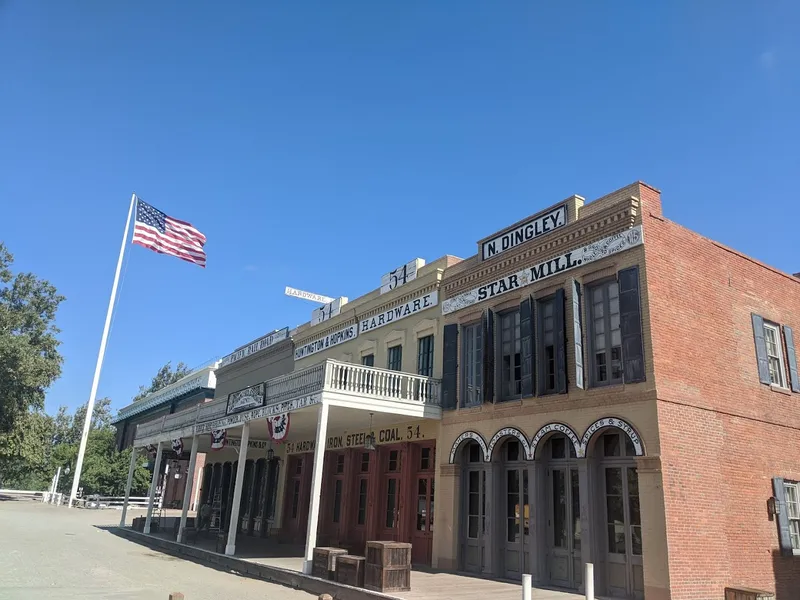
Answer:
(792, 492)
(776, 330)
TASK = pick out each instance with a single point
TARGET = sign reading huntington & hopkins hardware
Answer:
(251, 397)
(613, 244)
(400, 312)
(264, 342)
(530, 229)
(332, 339)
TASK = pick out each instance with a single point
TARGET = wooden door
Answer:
(422, 502)
(295, 521)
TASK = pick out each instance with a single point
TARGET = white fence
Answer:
(118, 501)
(31, 495)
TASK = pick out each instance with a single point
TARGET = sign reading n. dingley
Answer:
(400, 312)
(332, 339)
(533, 228)
(261, 343)
(613, 244)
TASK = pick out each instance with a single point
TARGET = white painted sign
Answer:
(538, 226)
(325, 312)
(469, 435)
(614, 244)
(258, 413)
(332, 339)
(295, 293)
(251, 444)
(260, 344)
(251, 397)
(619, 424)
(560, 428)
(411, 307)
(401, 275)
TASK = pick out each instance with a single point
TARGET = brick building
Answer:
(622, 391)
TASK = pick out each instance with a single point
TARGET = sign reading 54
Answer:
(401, 275)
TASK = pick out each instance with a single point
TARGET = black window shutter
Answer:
(488, 355)
(526, 345)
(784, 534)
(791, 358)
(450, 367)
(559, 325)
(761, 348)
(577, 333)
(630, 318)
(540, 366)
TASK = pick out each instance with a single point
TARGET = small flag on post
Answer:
(155, 230)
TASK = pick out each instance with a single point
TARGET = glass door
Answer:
(390, 515)
(564, 527)
(517, 522)
(474, 523)
(624, 532)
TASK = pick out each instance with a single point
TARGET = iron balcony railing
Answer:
(327, 376)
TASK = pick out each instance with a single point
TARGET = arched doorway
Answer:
(513, 510)
(560, 499)
(473, 508)
(617, 509)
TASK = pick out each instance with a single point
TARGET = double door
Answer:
(515, 510)
(564, 563)
(624, 570)
(473, 552)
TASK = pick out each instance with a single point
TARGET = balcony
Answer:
(339, 383)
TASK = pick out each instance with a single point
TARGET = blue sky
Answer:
(320, 144)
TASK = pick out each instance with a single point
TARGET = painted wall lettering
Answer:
(400, 312)
(260, 344)
(332, 339)
(401, 275)
(529, 230)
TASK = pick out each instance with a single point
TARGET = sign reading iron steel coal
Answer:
(265, 342)
(332, 339)
(218, 439)
(278, 426)
(251, 397)
(326, 311)
(531, 229)
(559, 428)
(411, 307)
(258, 413)
(295, 293)
(251, 444)
(401, 275)
(613, 244)
(619, 424)
(402, 432)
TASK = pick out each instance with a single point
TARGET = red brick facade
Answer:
(723, 435)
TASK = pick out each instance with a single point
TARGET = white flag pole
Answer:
(90, 405)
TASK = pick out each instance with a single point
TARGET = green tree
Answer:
(69, 428)
(25, 452)
(163, 378)
(29, 358)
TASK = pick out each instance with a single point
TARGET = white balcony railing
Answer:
(331, 376)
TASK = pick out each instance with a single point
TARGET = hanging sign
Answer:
(218, 438)
(177, 446)
(278, 426)
(529, 230)
(613, 244)
(332, 339)
(325, 312)
(414, 431)
(260, 344)
(401, 275)
(411, 307)
(290, 291)
(251, 397)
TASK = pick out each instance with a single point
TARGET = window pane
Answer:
(337, 501)
(576, 510)
(364, 462)
(512, 505)
(422, 504)
(510, 358)
(425, 358)
(611, 448)
(391, 497)
(616, 539)
(614, 481)
(425, 459)
(633, 482)
(558, 447)
(636, 541)
(395, 358)
(472, 527)
(614, 510)
(430, 515)
(559, 509)
(368, 360)
(362, 501)
(512, 450)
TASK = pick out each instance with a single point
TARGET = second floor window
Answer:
(368, 360)
(605, 336)
(547, 347)
(394, 360)
(425, 356)
(772, 337)
(510, 357)
(471, 365)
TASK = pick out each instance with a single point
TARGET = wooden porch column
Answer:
(316, 486)
(153, 486)
(233, 528)
(187, 491)
(131, 469)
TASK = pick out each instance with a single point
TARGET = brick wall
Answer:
(723, 435)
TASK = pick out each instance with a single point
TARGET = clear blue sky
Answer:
(319, 144)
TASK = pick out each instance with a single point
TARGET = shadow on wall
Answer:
(787, 576)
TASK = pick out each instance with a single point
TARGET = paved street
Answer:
(53, 553)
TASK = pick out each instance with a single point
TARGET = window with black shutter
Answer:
(394, 360)
(787, 505)
(510, 356)
(471, 365)
(526, 331)
(775, 356)
(425, 356)
(449, 366)
(545, 311)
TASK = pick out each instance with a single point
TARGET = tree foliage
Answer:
(29, 358)
(163, 378)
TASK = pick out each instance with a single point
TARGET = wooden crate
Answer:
(350, 569)
(324, 561)
(747, 594)
(388, 567)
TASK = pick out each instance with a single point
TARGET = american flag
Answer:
(165, 235)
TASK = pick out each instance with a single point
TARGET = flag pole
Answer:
(90, 405)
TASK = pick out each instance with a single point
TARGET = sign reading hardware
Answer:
(265, 342)
(295, 293)
(326, 311)
(332, 339)
(401, 275)
(403, 432)
(400, 312)
(251, 397)
(614, 244)
(529, 230)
